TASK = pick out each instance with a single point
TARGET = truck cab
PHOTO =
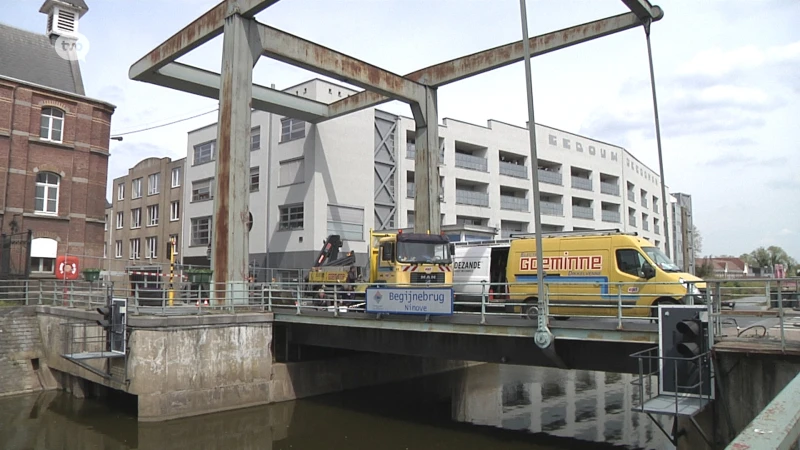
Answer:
(409, 259)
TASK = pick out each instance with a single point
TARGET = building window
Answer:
(105, 250)
(254, 179)
(118, 249)
(201, 190)
(152, 247)
(105, 224)
(136, 188)
(172, 244)
(176, 177)
(175, 211)
(121, 191)
(292, 172)
(42, 265)
(201, 230)
(120, 220)
(152, 215)
(52, 124)
(47, 193)
(134, 249)
(153, 182)
(204, 152)
(291, 217)
(255, 138)
(346, 221)
(292, 129)
(136, 217)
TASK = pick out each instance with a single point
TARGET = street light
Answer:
(116, 138)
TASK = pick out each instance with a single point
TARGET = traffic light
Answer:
(691, 342)
(106, 324)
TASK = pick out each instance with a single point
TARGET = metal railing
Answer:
(583, 212)
(644, 201)
(631, 196)
(472, 198)
(776, 302)
(645, 225)
(581, 183)
(609, 188)
(551, 209)
(513, 170)
(410, 189)
(513, 203)
(550, 177)
(472, 162)
(610, 216)
(632, 221)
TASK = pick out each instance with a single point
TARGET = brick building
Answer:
(53, 143)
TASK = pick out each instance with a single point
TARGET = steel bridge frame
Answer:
(245, 40)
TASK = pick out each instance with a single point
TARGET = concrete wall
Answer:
(749, 382)
(20, 351)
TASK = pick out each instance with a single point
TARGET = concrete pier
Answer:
(183, 366)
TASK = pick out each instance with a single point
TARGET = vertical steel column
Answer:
(543, 336)
(665, 202)
(426, 202)
(230, 242)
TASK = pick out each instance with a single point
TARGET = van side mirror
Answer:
(648, 271)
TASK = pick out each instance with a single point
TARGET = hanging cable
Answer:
(165, 124)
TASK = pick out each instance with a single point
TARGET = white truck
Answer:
(479, 266)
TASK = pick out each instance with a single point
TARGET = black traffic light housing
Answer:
(106, 324)
(691, 342)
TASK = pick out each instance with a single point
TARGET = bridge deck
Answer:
(585, 329)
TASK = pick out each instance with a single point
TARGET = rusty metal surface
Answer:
(756, 347)
(644, 9)
(288, 48)
(206, 83)
(202, 30)
(477, 63)
(777, 426)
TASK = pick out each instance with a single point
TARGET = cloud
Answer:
(738, 141)
(737, 159)
(789, 184)
(716, 63)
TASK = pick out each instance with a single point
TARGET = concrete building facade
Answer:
(145, 214)
(54, 143)
(356, 172)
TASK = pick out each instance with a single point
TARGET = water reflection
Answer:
(588, 406)
(483, 407)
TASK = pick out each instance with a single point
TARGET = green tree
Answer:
(767, 258)
(697, 238)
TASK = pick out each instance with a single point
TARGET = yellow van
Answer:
(588, 275)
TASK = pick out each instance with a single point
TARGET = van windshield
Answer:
(423, 252)
(661, 259)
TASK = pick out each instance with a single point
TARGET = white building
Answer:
(356, 172)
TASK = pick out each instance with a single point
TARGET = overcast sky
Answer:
(727, 72)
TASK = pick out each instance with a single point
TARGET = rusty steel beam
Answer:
(644, 10)
(477, 63)
(308, 55)
(186, 78)
(206, 27)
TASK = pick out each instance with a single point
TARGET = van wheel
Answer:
(654, 307)
(531, 308)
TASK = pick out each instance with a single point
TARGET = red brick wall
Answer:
(81, 160)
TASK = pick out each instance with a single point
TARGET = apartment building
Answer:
(682, 229)
(145, 213)
(54, 144)
(356, 172)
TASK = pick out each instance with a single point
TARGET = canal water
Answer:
(479, 408)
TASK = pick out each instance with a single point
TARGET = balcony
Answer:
(551, 209)
(609, 188)
(550, 177)
(513, 203)
(472, 198)
(644, 202)
(632, 221)
(610, 216)
(581, 183)
(631, 196)
(411, 153)
(645, 226)
(656, 229)
(411, 189)
(582, 212)
(511, 170)
(472, 162)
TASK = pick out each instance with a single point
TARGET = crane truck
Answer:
(395, 258)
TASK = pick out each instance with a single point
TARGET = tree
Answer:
(704, 269)
(767, 258)
(697, 242)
